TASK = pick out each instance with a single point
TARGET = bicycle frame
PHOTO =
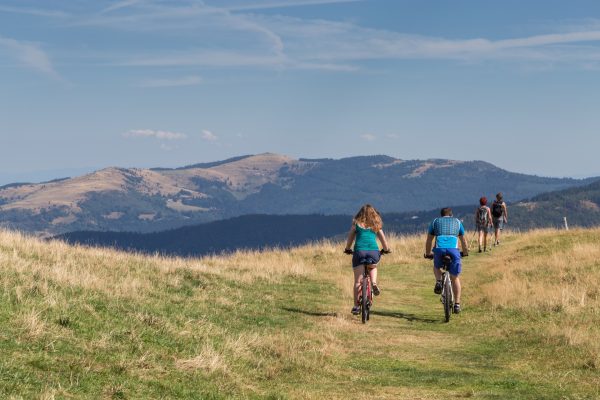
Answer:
(366, 302)
(366, 286)
(447, 296)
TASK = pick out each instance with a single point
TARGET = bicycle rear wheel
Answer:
(447, 299)
(364, 306)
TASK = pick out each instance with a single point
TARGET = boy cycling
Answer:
(447, 231)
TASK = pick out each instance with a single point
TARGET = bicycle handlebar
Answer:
(430, 256)
(382, 251)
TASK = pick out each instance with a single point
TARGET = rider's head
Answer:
(369, 217)
(499, 196)
(446, 212)
(483, 201)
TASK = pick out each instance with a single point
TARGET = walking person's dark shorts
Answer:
(499, 223)
(362, 257)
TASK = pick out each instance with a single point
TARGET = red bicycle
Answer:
(365, 302)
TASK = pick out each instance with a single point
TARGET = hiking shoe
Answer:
(438, 287)
(355, 310)
(376, 290)
(456, 308)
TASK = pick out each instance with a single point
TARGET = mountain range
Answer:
(580, 205)
(150, 200)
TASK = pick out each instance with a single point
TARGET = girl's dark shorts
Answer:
(362, 257)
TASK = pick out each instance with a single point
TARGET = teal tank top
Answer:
(366, 240)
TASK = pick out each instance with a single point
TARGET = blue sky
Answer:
(139, 83)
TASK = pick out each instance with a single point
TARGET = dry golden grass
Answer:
(544, 273)
(552, 276)
(308, 353)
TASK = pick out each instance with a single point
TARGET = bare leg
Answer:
(485, 235)
(437, 273)
(456, 287)
(373, 273)
(357, 281)
(480, 239)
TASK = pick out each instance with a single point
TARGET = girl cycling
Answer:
(366, 227)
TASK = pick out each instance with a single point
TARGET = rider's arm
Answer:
(429, 244)
(463, 244)
(383, 240)
(351, 236)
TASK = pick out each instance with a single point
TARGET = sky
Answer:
(87, 84)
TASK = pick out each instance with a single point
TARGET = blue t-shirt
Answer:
(446, 231)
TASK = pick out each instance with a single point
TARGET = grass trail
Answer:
(92, 323)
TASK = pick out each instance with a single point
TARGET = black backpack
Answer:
(482, 216)
(497, 209)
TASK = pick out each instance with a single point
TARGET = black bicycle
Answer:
(365, 292)
(447, 296)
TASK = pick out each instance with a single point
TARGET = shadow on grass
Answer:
(311, 313)
(406, 316)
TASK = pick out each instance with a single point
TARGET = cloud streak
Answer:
(161, 135)
(208, 136)
(236, 35)
(38, 12)
(174, 82)
(285, 4)
(29, 55)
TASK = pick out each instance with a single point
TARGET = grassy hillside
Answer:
(92, 323)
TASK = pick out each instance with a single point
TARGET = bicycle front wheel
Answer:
(365, 301)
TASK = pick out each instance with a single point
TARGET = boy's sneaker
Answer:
(376, 290)
(438, 287)
(456, 308)
(355, 310)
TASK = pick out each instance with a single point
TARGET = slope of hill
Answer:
(151, 200)
(580, 205)
(91, 323)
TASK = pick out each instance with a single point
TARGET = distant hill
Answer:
(147, 200)
(580, 205)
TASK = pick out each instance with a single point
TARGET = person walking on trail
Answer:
(483, 222)
(447, 232)
(366, 228)
(500, 217)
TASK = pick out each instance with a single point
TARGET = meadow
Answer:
(80, 322)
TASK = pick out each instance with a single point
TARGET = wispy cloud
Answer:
(161, 135)
(236, 34)
(369, 137)
(209, 136)
(121, 4)
(166, 147)
(28, 54)
(323, 41)
(38, 12)
(173, 82)
(283, 4)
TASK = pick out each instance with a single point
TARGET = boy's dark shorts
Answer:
(362, 257)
